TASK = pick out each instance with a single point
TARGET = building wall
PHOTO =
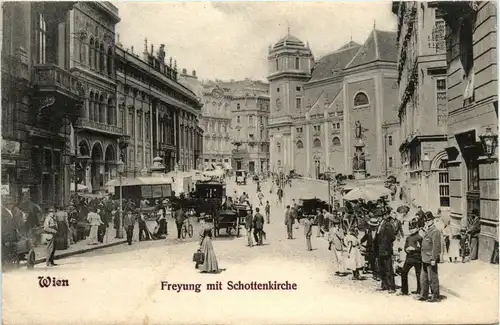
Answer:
(468, 118)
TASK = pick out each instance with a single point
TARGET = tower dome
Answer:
(289, 40)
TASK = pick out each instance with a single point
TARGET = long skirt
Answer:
(210, 262)
(61, 240)
(338, 261)
(161, 229)
(354, 260)
(93, 235)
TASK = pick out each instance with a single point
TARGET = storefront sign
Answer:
(11, 147)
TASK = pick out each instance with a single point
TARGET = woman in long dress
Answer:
(95, 221)
(210, 262)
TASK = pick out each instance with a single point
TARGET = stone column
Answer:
(105, 110)
(157, 144)
(151, 152)
(143, 132)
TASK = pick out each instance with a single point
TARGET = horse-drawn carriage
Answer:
(18, 241)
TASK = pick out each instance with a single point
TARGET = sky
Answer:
(230, 40)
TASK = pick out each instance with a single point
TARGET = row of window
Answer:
(316, 144)
(296, 64)
(262, 120)
(261, 106)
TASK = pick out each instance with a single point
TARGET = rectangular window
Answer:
(139, 125)
(441, 102)
(130, 130)
(250, 120)
(390, 140)
(390, 162)
(297, 88)
(42, 39)
(238, 119)
(444, 189)
(277, 90)
(298, 103)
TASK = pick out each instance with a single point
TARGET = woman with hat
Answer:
(336, 240)
(209, 264)
(94, 220)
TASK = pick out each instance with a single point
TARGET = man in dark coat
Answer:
(413, 248)
(258, 227)
(384, 241)
(179, 221)
(371, 252)
(420, 216)
(431, 249)
(249, 226)
(289, 221)
(128, 224)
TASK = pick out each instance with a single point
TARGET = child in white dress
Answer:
(354, 260)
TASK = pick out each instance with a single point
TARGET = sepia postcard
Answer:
(249, 162)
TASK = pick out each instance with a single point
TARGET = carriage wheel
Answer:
(183, 232)
(31, 259)
(190, 230)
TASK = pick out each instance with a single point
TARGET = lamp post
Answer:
(120, 166)
(489, 141)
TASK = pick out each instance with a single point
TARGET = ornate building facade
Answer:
(158, 114)
(317, 106)
(472, 93)
(234, 121)
(215, 120)
(91, 26)
(41, 99)
(422, 111)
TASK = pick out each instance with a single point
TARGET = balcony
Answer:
(49, 78)
(86, 124)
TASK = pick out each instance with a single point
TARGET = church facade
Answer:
(331, 114)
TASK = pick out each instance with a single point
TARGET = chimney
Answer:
(152, 50)
(184, 71)
(132, 49)
(194, 73)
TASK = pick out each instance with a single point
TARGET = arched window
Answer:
(444, 184)
(42, 39)
(361, 99)
(82, 51)
(102, 116)
(91, 106)
(390, 140)
(238, 106)
(297, 63)
(277, 64)
(278, 147)
(111, 111)
(101, 57)
(317, 143)
(300, 145)
(110, 61)
(336, 142)
(238, 119)
(91, 53)
(96, 55)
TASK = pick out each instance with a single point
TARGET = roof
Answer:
(380, 46)
(290, 40)
(333, 63)
(329, 91)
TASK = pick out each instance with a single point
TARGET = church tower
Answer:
(290, 63)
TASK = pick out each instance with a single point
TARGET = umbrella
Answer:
(367, 193)
(403, 209)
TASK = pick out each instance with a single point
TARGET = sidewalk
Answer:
(82, 246)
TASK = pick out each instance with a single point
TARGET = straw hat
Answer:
(373, 222)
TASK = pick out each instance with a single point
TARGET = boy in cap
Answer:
(370, 250)
(413, 246)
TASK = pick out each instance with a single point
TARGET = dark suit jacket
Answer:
(384, 239)
(249, 221)
(258, 221)
(370, 242)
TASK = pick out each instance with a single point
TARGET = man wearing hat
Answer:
(308, 231)
(369, 238)
(413, 246)
(473, 231)
(289, 221)
(431, 249)
(384, 241)
(50, 229)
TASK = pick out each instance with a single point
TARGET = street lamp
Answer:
(489, 142)
(120, 166)
(426, 165)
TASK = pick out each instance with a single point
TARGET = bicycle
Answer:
(187, 229)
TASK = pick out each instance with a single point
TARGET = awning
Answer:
(147, 180)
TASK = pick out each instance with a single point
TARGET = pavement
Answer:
(122, 285)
